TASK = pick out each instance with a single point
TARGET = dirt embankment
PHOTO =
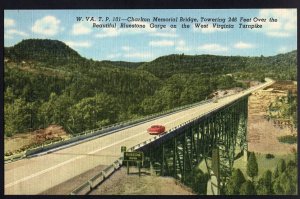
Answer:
(263, 133)
(19, 142)
(148, 184)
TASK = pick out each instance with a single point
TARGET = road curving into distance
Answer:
(37, 174)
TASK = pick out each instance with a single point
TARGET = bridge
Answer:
(194, 134)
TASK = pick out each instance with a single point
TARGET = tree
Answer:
(281, 166)
(288, 185)
(264, 185)
(277, 188)
(236, 180)
(17, 117)
(93, 112)
(197, 180)
(252, 166)
(287, 180)
(275, 173)
(247, 188)
(56, 110)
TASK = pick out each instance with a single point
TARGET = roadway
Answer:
(38, 174)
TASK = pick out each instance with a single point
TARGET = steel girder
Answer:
(178, 153)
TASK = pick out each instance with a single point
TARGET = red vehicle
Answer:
(156, 129)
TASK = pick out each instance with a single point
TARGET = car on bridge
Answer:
(156, 129)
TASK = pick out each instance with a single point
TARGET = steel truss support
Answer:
(225, 129)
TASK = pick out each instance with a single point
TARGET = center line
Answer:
(79, 157)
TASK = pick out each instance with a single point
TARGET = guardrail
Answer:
(99, 178)
(99, 132)
(93, 182)
(14, 157)
(245, 93)
(86, 187)
(105, 130)
(175, 128)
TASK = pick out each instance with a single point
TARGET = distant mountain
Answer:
(43, 50)
(124, 63)
(55, 85)
(56, 53)
(166, 66)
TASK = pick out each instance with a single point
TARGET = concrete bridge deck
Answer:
(37, 174)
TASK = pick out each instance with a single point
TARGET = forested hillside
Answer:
(282, 66)
(47, 82)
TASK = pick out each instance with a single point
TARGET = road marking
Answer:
(79, 157)
(97, 150)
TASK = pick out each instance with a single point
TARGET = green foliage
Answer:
(55, 110)
(290, 139)
(44, 50)
(255, 68)
(197, 180)
(285, 108)
(276, 173)
(177, 90)
(264, 185)
(124, 64)
(93, 112)
(278, 190)
(252, 166)
(18, 117)
(281, 166)
(288, 186)
(286, 180)
(47, 82)
(247, 188)
(235, 182)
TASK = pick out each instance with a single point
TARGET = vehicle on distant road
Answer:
(156, 129)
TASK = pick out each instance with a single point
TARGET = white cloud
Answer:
(165, 34)
(48, 25)
(16, 32)
(113, 56)
(243, 45)
(181, 46)
(108, 32)
(9, 23)
(278, 34)
(285, 26)
(81, 28)
(212, 48)
(143, 55)
(126, 48)
(9, 34)
(161, 43)
(78, 44)
(283, 49)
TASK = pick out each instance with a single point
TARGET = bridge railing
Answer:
(89, 134)
(100, 177)
(95, 181)
(173, 129)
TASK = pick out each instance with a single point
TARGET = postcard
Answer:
(150, 101)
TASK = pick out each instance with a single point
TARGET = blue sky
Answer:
(149, 43)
